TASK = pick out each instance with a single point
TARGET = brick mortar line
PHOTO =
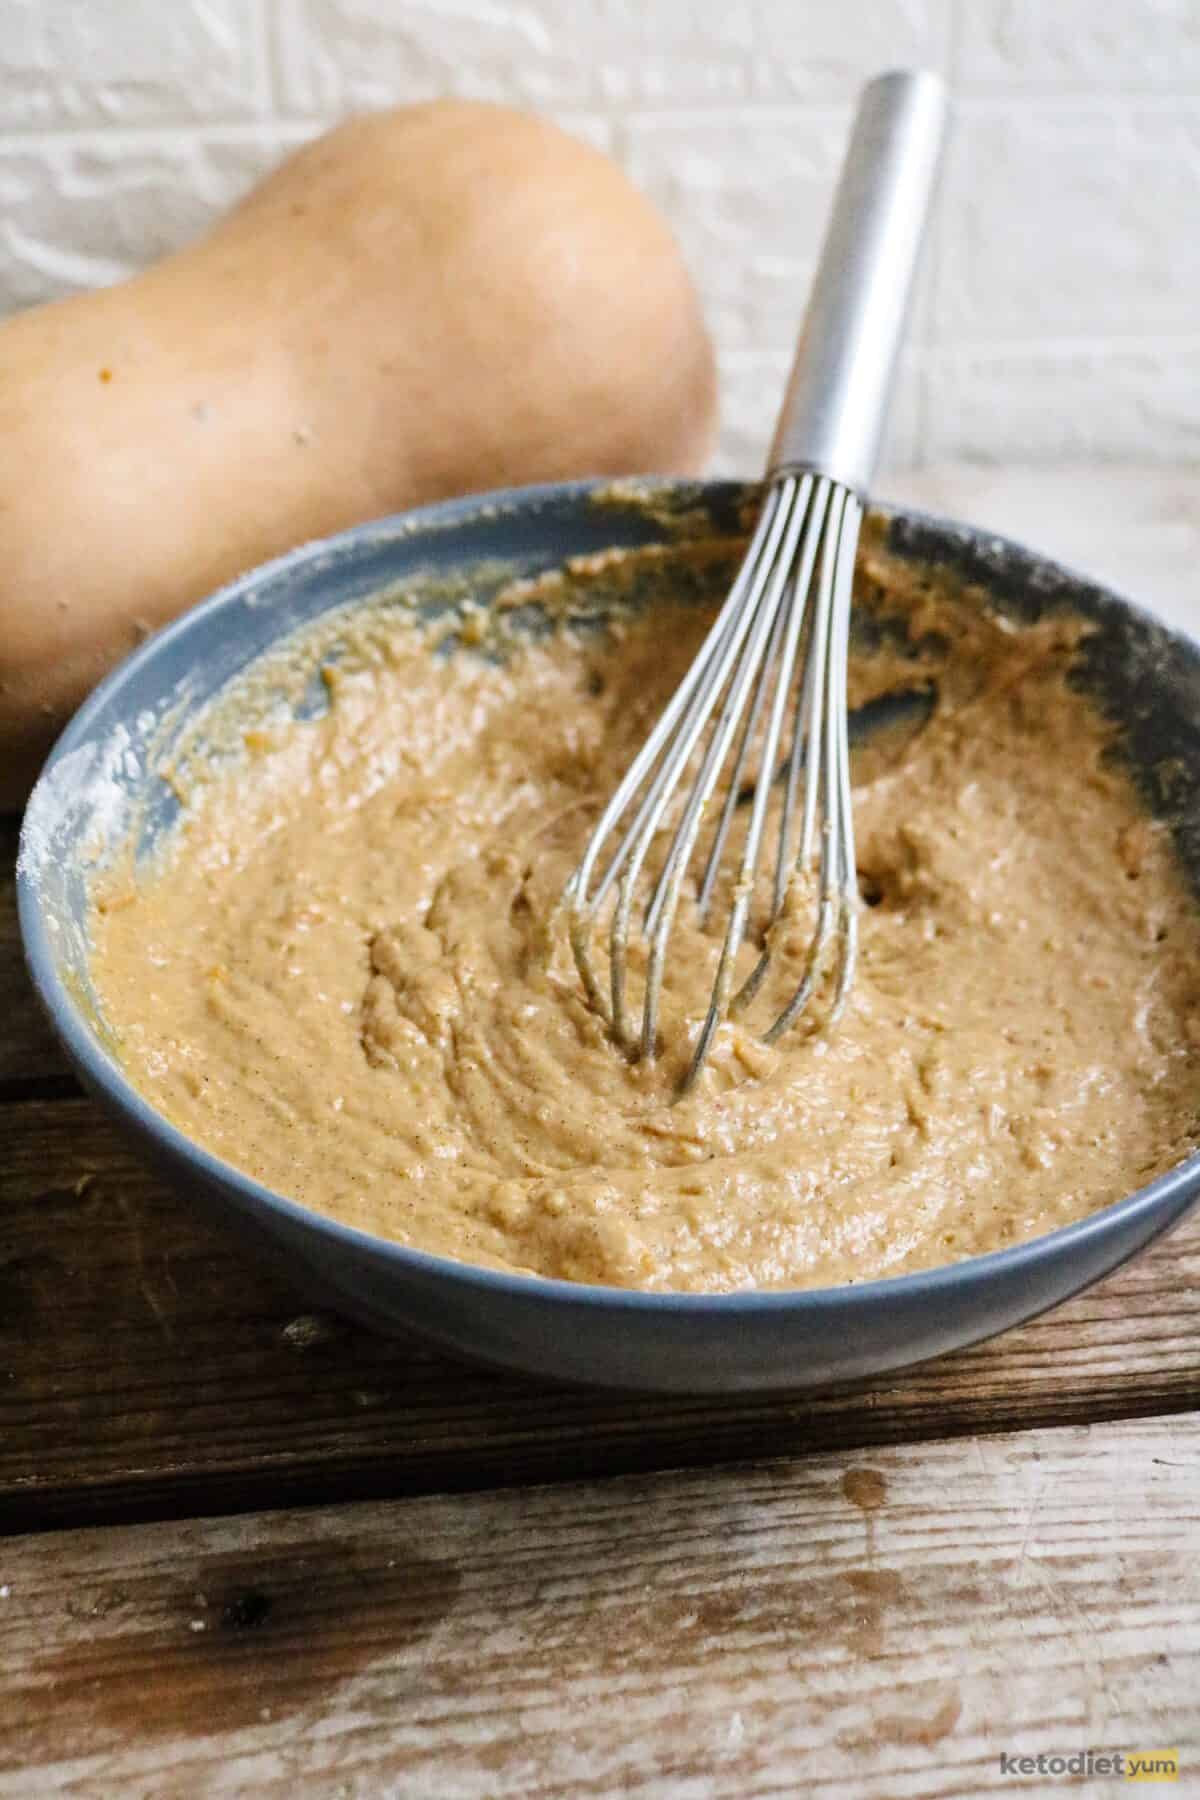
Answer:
(981, 97)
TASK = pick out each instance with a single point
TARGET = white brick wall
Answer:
(1060, 311)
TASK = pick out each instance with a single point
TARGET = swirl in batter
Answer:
(349, 976)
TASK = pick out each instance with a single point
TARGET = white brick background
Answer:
(1060, 311)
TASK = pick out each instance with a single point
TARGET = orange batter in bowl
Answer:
(348, 975)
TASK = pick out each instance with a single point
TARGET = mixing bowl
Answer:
(102, 776)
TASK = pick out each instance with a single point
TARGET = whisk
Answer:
(768, 687)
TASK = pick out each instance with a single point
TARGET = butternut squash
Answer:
(421, 303)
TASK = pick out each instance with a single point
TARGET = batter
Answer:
(350, 978)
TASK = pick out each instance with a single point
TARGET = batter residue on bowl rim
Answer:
(348, 976)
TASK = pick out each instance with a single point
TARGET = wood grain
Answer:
(820, 1627)
(149, 1368)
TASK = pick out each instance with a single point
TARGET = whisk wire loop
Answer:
(769, 664)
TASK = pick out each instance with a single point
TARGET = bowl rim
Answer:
(103, 1074)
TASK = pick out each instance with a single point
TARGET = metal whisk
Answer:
(768, 686)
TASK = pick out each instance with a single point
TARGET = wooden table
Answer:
(253, 1549)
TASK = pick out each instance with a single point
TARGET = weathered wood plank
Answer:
(816, 1627)
(147, 1367)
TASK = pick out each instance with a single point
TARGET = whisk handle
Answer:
(835, 407)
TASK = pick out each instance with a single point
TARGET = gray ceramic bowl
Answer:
(102, 768)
